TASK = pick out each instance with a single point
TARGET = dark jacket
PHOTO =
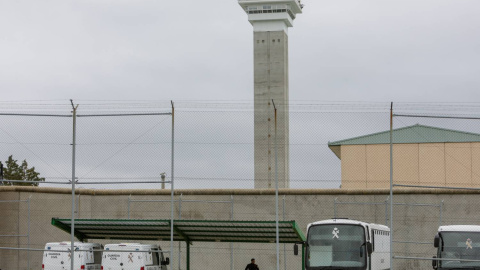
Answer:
(251, 266)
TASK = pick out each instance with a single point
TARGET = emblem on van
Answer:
(469, 243)
(335, 233)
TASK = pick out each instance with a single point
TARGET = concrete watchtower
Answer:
(270, 20)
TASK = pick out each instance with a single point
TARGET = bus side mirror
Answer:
(166, 261)
(369, 248)
(295, 249)
(434, 262)
(436, 241)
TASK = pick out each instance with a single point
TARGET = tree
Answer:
(13, 171)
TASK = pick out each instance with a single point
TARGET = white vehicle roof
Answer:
(459, 228)
(349, 221)
(76, 244)
(131, 246)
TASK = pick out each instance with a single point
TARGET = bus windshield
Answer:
(336, 245)
(459, 245)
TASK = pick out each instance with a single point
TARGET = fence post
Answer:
(231, 244)
(441, 214)
(128, 206)
(28, 233)
(335, 208)
(391, 186)
(180, 242)
(284, 245)
(72, 229)
(386, 210)
(276, 192)
(172, 185)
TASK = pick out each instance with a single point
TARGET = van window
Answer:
(97, 256)
(155, 257)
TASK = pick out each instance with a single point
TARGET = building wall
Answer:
(435, 164)
(416, 218)
(354, 166)
(271, 83)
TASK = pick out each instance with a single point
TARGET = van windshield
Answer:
(338, 245)
(459, 245)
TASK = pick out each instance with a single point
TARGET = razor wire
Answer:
(214, 150)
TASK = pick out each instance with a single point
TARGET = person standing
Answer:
(252, 265)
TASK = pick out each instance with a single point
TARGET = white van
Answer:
(56, 256)
(142, 257)
(457, 242)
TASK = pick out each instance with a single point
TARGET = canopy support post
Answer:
(188, 255)
(303, 256)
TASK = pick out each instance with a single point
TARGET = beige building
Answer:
(422, 155)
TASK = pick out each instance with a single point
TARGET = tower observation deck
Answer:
(270, 20)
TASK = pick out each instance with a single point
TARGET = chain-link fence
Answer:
(339, 167)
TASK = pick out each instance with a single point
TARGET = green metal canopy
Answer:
(184, 230)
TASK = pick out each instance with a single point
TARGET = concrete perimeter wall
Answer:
(417, 215)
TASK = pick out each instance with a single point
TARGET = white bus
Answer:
(457, 242)
(133, 256)
(57, 256)
(346, 244)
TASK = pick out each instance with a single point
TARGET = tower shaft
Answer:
(270, 20)
(271, 83)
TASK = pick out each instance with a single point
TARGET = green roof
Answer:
(411, 134)
(184, 230)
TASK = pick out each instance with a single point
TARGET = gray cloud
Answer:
(348, 50)
(339, 50)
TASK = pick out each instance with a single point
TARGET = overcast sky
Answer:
(408, 50)
(158, 50)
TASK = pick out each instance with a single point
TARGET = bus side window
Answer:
(373, 239)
